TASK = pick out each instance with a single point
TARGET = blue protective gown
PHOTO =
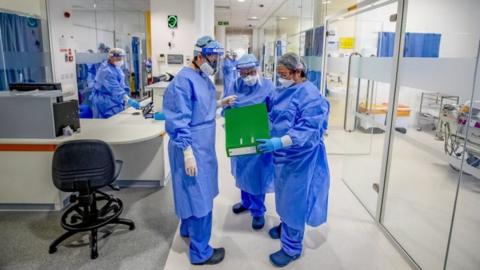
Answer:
(253, 173)
(229, 73)
(189, 105)
(107, 98)
(302, 176)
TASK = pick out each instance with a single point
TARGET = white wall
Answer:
(238, 43)
(458, 21)
(92, 29)
(62, 37)
(184, 37)
(205, 17)
(221, 34)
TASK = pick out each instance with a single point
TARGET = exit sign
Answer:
(224, 23)
(172, 21)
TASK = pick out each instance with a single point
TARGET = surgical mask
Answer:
(209, 68)
(118, 63)
(286, 83)
(250, 80)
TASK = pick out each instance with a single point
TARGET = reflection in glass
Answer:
(465, 237)
(109, 24)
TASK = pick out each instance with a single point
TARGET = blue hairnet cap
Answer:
(247, 61)
(292, 61)
(206, 45)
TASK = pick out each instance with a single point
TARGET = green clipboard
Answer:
(243, 126)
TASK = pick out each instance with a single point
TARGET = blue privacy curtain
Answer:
(416, 44)
(20, 50)
(314, 47)
(136, 58)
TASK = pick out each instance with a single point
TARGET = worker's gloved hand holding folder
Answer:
(243, 126)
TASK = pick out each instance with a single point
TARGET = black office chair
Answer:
(83, 167)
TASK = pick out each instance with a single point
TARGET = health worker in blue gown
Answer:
(189, 107)
(299, 119)
(253, 173)
(229, 69)
(110, 93)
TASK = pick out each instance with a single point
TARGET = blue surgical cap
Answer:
(206, 45)
(247, 61)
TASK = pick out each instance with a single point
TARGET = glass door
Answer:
(439, 144)
(358, 86)
(465, 237)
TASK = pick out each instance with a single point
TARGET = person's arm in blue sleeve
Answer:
(227, 92)
(313, 116)
(177, 107)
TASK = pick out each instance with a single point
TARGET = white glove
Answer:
(227, 101)
(190, 163)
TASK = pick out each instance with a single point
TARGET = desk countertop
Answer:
(158, 85)
(123, 128)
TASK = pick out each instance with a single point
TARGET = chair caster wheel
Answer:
(52, 250)
(131, 228)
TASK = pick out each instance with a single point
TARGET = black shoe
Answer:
(275, 232)
(282, 259)
(239, 208)
(217, 257)
(258, 222)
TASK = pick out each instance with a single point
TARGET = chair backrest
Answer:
(83, 166)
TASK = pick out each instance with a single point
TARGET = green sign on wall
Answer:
(172, 21)
(224, 23)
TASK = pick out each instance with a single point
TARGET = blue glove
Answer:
(269, 145)
(133, 103)
(159, 116)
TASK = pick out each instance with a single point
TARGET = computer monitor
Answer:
(35, 86)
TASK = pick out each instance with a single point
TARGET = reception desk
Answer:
(26, 164)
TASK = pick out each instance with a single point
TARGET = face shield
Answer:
(211, 52)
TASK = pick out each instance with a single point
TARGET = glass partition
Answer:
(465, 237)
(358, 88)
(436, 78)
(285, 31)
(24, 43)
(100, 25)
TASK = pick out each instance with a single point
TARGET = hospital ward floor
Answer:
(349, 240)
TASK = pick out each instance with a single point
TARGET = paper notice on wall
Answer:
(347, 43)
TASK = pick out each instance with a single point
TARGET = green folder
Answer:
(243, 126)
